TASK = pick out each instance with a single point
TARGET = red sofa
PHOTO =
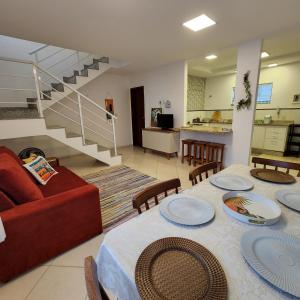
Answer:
(61, 215)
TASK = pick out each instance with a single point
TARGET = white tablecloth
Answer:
(2, 232)
(122, 246)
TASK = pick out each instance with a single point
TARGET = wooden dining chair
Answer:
(94, 289)
(153, 192)
(277, 164)
(203, 170)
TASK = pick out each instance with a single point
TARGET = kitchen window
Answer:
(264, 93)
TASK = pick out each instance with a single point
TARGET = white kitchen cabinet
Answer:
(270, 137)
(258, 137)
(275, 138)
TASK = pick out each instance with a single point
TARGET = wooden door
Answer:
(137, 114)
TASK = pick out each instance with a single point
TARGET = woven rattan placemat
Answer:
(179, 269)
(272, 176)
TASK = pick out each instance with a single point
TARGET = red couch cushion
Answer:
(3, 149)
(5, 202)
(64, 181)
(15, 181)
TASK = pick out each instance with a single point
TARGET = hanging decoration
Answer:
(245, 103)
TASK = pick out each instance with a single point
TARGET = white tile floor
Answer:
(62, 278)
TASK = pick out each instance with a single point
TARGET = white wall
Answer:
(218, 92)
(164, 83)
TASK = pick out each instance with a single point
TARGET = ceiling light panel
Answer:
(199, 23)
(264, 54)
(272, 65)
(211, 56)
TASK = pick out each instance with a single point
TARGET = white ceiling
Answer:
(146, 33)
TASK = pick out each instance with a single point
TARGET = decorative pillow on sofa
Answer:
(40, 169)
(15, 182)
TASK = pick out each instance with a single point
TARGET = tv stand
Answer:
(161, 140)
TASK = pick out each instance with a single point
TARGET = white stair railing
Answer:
(60, 61)
(91, 118)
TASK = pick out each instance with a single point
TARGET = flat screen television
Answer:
(165, 121)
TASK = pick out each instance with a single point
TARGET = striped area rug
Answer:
(117, 185)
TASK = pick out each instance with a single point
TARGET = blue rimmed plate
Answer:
(289, 197)
(186, 210)
(231, 182)
(275, 256)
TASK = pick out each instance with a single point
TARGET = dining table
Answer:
(119, 252)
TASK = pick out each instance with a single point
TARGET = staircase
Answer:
(52, 105)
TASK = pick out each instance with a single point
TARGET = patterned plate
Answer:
(275, 256)
(272, 176)
(231, 182)
(251, 208)
(176, 268)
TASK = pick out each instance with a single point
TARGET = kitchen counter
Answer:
(207, 129)
(256, 123)
(274, 123)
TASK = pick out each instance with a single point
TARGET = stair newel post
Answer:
(81, 119)
(114, 133)
(38, 93)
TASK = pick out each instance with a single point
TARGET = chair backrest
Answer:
(277, 164)
(94, 289)
(153, 192)
(198, 172)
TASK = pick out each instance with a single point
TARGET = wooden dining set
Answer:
(163, 189)
(200, 152)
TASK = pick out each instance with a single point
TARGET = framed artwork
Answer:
(109, 106)
(154, 113)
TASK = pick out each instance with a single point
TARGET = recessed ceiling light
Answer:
(272, 65)
(199, 23)
(264, 54)
(211, 56)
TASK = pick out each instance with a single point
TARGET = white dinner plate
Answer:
(275, 256)
(231, 182)
(289, 197)
(186, 210)
(251, 208)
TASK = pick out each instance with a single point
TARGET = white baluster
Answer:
(38, 93)
(114, 133)
(81, 119)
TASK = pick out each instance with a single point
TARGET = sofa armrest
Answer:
(39, 230)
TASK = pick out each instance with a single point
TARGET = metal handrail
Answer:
(21, 61)
(77, 63)
(63, 115)
(61, 60)
(15, 89)
(35, 69)
(38, 49)
(50, 55)
(17, 76)
(73, 101)
(76, 91)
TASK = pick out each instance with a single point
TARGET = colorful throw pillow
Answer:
(40, 169)
(15, 182)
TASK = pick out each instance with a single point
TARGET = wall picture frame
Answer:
(109, 106)
(154, 112)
